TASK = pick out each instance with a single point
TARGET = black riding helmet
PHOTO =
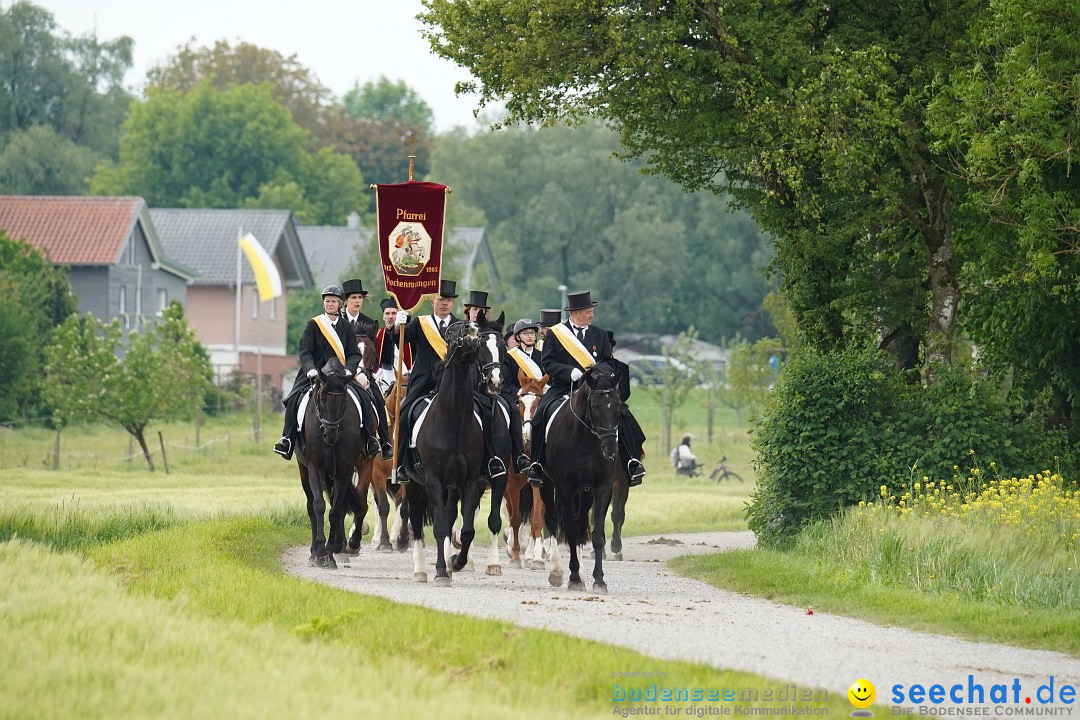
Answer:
(334, 290)
(525, 324)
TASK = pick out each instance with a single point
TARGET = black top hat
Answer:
(448, 288)
(477, 298)
(353, 287)
(387, 303)
(550, 317)
(579, 300)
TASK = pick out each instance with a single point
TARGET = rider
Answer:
(322, 334)
(564, 359)
(476, 308)
(631, 436)
(386, 353)
(548, 317)
(425, 357)
(364, 326)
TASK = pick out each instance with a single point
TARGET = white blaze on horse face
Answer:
(493, 349)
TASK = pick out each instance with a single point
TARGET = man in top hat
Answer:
(566, 370)
(386, 353)
(425, 358)
(631, 436)
(321, 334)
(364, 326)
(548, 317)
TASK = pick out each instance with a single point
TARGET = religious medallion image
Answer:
(409, 248)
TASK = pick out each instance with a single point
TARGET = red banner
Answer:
(409, 231)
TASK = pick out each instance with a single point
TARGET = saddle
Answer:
(301, 408)
(417, 413)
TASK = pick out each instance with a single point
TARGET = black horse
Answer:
(330, 445)
(450, 444)
(582, 445)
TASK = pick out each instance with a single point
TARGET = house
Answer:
(331, 250)
(239, 331)
(110, 249)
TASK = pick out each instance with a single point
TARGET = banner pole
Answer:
(397, 396)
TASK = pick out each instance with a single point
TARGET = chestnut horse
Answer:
(522, 498)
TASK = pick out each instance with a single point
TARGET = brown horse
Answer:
(517, 501)
(382, 539)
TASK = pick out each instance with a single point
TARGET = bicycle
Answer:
(721, 471)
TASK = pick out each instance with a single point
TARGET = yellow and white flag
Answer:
(267, 278)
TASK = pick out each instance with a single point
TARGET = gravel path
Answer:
(652, 610)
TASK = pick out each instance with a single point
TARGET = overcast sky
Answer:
(341, 41)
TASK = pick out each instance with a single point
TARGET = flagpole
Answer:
(236, 318)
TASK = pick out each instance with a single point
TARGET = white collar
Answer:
(352, 318)
(332, 319)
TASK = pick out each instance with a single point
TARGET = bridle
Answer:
(599, 431)
(328, 426)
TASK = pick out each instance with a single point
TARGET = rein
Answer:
(325, 423)
(598, 431)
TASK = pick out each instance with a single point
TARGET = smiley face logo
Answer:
(862, 694)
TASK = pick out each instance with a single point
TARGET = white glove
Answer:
(362, 381)
(576, 375)
(401, 318)
(312, 372)
(348, 372)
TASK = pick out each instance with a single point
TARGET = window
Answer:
(162, 300)
(273, 309)
(254, 303)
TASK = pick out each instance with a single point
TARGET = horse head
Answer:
(331, 400)
(492, 358)
(603, 406)
(367, 352)
(462, 342)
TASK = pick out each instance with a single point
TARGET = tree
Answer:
(673, 382)
(37, 297)
(224, 66)
(38, 161)
(750, 374)
(72, 85)
(162, 374)
(811, 115)
(211, 148)
(386, 100)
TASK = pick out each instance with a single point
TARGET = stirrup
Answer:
(496, 468)
(636, 471)
(522, 463)
(283, 447)
(536, 474)
(387, 451)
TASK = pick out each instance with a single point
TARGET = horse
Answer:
(450, 445)
(582, 447)
(523, 499)
(331, 444)
(491, 361)
(385, 539)
(358, 500)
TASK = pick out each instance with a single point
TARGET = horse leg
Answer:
(440, 514)
(620, 491)
(512, 501)
(470, 505)
(318, 511)
(555, 571)
(304, 483)
(359, 509)
(382, 504)
(601, 501)
(577, 519)
(398, 536)
(416, 523)
(498, 490)
(536, 529)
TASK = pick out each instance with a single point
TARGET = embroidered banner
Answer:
(410, 235)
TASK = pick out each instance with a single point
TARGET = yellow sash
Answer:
(573, 346)
(539, 344)
(331, 337)
(526, 363)
(431, 332)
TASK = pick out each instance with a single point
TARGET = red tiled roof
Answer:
(74, 230)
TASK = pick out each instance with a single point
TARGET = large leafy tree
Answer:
(559, 208)
(811, 114)
(227, 148)
(162, 373)
(62, 102)
(37, 298)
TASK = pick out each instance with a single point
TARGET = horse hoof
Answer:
(420, 577)
(575, 586)
(617, 556)
(537, 565)
(514, 563)
(386, 548)
(364, 529)
(353, 551)
(494, 570)
(443, 580)
(311, 561)
(555, 579)
(600, 588)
